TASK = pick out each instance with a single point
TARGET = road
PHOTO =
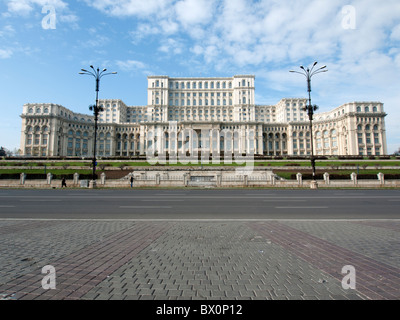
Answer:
(200, 244)
(192, 204)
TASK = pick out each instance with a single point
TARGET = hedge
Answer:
(320, 176)
(42, 176)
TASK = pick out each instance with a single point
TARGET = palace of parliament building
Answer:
(213, 115)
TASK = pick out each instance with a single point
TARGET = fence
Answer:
(217, 179)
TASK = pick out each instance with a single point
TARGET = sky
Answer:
(45, 43)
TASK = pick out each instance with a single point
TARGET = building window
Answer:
(376, 138)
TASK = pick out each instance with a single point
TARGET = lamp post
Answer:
(97, 74)
(309, 73)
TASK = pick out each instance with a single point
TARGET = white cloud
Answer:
(7, 31)
(5, 54)
(143, 31)
(172, 46)
(130, 65)
(24, 7)
(192, 12)
(395, 35)
(130, 7)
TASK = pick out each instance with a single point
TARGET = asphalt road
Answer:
(212, 204)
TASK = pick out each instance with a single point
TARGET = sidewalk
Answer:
(128, 260)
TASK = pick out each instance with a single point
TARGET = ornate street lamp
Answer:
(309, 73)
(97, 74)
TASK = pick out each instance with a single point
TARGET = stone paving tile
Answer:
(198, 261)
(35, 244)
(377, 240)
(82, 270)
(221, 261)
(374, 279)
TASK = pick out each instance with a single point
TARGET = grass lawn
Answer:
(268, 163)
(42, 171)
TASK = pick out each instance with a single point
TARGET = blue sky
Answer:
(41, 55)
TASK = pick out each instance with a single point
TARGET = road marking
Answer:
(167, 194)
(166, 200)
(208, 197)
(7, 206)
(284, 200)
(145, 207)
(47, 200)
(204, 220)
(301, 207)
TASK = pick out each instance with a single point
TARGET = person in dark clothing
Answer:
(131, 181)
(63, 183)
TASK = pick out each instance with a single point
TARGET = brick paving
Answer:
(132, 260)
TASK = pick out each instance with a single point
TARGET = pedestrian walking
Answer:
(63, 183)
(131, 181)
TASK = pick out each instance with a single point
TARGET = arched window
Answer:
(358, 109)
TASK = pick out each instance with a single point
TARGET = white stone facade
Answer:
(204, 115)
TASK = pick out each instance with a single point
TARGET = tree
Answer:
(4, 152)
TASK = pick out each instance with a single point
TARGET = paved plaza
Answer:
(203, 260)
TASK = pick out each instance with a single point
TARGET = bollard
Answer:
(219, 180)
(299, 177)
(22, 178)
(354, 178)
(76, 178)
(273, 179)
(103, 178)
(381, 178)
(49, 178)
(326, 178)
